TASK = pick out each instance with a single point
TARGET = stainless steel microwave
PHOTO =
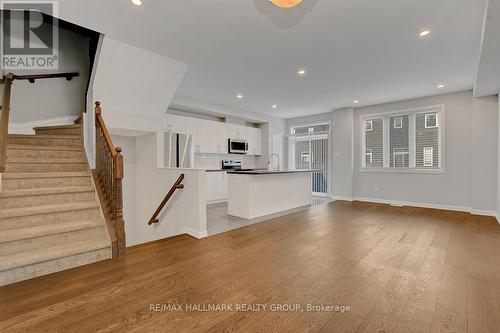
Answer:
(237, 146)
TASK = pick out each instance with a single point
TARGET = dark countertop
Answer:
(267, 172)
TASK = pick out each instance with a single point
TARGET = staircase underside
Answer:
(50, 218)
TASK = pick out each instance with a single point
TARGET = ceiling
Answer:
(362, 50)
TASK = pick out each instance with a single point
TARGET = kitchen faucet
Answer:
(270, 158)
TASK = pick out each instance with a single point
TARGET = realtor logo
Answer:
(29, 35)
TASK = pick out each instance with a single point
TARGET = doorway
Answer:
(309, 147)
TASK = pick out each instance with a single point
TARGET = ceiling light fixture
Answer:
(137, 2)
(301, 72)
(424, 33)
(441, 86)
(286, 3)
(239, 96)
(274, 106)
(355, 101)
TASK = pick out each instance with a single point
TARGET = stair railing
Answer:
(177, 186)
(109, 175)
(4, 120)
(5, 107)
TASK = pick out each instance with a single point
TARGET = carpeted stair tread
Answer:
(32, 257)
(47, 230)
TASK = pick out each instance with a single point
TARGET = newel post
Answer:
(118, 213)
(97, 108)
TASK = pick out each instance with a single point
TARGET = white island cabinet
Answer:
(257, 193)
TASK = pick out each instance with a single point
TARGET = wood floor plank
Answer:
(398, 269)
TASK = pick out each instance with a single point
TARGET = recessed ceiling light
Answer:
(355, 101)
(424, 33)
(274, 106)
(137, 2)
(441, 86)
(301, 72)
(239, 96)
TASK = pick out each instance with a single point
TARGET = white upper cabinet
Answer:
(211, 137)
(236, 132)
(255, 141)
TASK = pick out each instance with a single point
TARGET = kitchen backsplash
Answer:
(214, 161)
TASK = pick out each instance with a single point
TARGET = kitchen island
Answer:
(256, 193)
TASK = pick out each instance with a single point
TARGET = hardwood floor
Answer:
(398, 269)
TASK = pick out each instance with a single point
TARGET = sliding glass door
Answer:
(310, 151)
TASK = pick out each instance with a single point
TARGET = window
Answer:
(398, 122)
(399, 143)
(431, 120)
(428, 156)
(401, 159)
(403, 140)
(374, 144)
(308, 130)
(369, 125)
(369, 156)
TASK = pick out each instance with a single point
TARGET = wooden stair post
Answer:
(118, 198)
(109, 175)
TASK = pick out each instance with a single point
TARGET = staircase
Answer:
(50, 218)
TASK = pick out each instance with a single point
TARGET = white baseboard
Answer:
(196, 234)
(216, 201)
(483, 212)
(397, 203)
(340, 198)
(414, 204)
(27, 127)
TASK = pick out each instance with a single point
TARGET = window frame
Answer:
(400, 125)
(369, 121)
(437, 120)
(369, 154)
(439, 109)
(432, 156)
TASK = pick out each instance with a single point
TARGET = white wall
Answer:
(471, 138)
(342, 157)
(469, 170)
(144, 187)
(53, 98)
(484, 148)
(135, 86)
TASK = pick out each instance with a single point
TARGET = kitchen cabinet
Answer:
(211, 137)
(254, 139)
(216, 186)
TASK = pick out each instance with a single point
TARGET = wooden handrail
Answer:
(31, 78)
(107, 136)
(5, 108)
(109, 175)
(4, 120)
(177, 186)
